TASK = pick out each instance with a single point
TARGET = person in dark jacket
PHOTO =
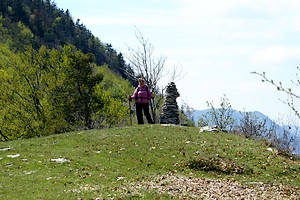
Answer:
(142, 96)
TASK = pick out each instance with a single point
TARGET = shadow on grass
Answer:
(217, 164)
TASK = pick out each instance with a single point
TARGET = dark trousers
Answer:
(140, 107)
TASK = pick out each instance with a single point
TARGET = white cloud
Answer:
(295, 24)
(133, 18)
(276, 55)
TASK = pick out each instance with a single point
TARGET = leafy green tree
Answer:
(3, 31)
(113, 112)
(22, 105)
(23, 37)
(18, 12)
(51, 91)
(80, 81)
(114, 91)
(47, 92)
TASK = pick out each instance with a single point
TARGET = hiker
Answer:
(142, 96)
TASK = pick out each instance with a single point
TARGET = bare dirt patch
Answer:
(199, 188)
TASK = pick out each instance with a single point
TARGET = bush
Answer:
(217, 164)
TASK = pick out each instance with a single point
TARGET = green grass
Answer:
(102, 162)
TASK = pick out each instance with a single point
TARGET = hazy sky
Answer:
(217, 43)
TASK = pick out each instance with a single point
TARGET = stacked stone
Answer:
(170, 113)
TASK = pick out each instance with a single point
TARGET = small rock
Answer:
(60, 160)
(5, 148)
(13, 156)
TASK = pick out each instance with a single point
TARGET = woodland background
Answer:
(55, 75)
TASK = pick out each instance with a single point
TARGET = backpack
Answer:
(142, 89)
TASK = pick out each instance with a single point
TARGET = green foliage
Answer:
(25, 107)
(79, 86)
(41, 23)
(46, 92)
(52, 91)
(184, 120)
(113, 113)
(24, 37)
(186, 114)
(17, 35)
(115, 109)
(50, 88)
(3, 31)
(114, 84)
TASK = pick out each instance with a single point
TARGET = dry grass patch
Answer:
(183, 187)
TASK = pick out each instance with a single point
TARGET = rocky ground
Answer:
(198, 188)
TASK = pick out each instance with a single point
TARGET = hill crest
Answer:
(119, 162)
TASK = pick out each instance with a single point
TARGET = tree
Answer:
(186, 115)
(79, 85)
(25, 110)
(284, 142)
(220, 117)
(145, 64)
(47, 91)
(40, 22)
(252, 126)
(113, 91)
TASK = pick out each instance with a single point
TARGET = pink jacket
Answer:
(142, 95)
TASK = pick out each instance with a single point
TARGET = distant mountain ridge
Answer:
(236, 114)
(280, 129)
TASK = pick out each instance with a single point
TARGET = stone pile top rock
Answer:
(170, 114)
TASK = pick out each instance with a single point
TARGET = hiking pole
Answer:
(152, 107)
(129, 104)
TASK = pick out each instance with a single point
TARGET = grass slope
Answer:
(100, 163)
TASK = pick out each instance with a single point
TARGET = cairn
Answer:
(170, 114)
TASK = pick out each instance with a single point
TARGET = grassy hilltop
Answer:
(149, 161)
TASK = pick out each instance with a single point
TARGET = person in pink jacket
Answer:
(142, 96)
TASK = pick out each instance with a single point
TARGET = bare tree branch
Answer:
(176, 74)
(288, 91)
(145, 64)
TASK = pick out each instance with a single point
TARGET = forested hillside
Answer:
(41, 22)
(55, 76)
